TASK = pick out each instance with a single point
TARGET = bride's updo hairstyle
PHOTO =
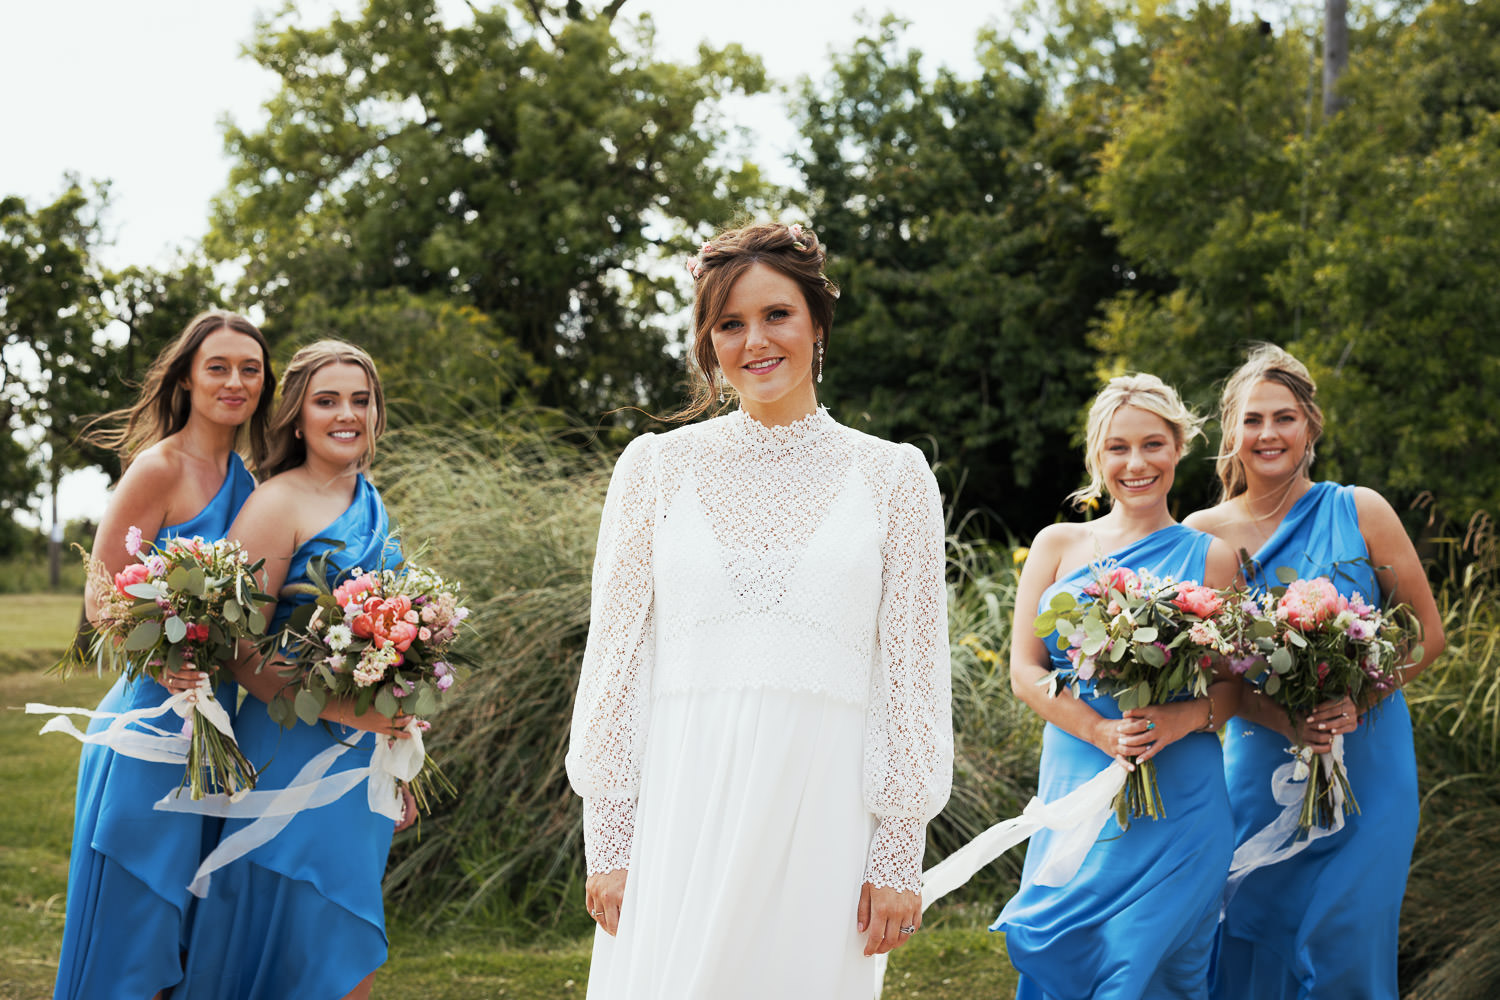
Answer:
(1144, 392)
(793, 251)
(1266, 363)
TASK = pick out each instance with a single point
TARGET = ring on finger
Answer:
(909, 929)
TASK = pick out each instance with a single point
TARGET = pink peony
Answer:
(383, 621)
(1118, 578)
(1195, 600)
(132, 574)
(354, 590)
(1309, 603)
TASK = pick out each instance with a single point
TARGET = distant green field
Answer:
(37, 627)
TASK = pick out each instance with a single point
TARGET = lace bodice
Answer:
(735, 556)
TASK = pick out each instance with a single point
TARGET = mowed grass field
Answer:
(953, 957)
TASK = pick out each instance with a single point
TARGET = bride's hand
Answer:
(604, 895)
(890, 916)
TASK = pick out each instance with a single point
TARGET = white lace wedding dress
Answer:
(763, 719)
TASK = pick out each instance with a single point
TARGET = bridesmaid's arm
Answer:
(268, 528)
(1029, 661)
(1402, 578)
(141, 499)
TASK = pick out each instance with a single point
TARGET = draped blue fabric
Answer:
(302, 916)
(1137, 921)
(128, 905)
(1322, 924)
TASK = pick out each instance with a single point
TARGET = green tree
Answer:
(530, 166)
(1361, 244)
(971, 263)
(55, 367)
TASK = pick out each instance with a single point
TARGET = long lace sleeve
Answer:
(908, 765)
(610, 714)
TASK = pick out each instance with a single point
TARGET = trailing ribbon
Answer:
(158, 745)
(272, 809)
(1077, 817)
(1276, 840)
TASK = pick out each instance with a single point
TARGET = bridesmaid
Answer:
(206, 394)
(1138, 919)
(1324, 922)
(301, 915)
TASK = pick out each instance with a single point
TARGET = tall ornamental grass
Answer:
(513, 514)
(1450, 927)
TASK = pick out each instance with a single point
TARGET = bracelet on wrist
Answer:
(1208, 726)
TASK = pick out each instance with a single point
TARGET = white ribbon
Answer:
(1276, 840)
(1077, 817)
(313, 787)
(158, 745)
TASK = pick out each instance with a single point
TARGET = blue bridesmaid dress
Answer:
(128, 906)
(302, 915)
(1138, 919)
(1323, 923)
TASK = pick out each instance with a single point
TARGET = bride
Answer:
(762, 727)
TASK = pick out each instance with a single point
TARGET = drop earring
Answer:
(718, 381)
(820, 360)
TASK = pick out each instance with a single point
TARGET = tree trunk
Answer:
(1335, 52)
(55, 539)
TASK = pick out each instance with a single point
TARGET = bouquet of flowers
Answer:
(1314, 646)
(183, 606)
(1144, 641)
(382, 638)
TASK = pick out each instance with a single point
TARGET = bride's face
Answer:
(765, 342)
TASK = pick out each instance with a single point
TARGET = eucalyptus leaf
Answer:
(426, 702)
(178, 578)
(232, 613)
(1146, 633)
(1273, 684)
(1150, 655)
(257, 622)
(1062, 602)
(176, 629)
(1281, 660)
(385, 702)
(307, 707)
(143, 636)
(1295, 638)
(1286, 574)
(152, 592)
(1117, 650)
(282, 713)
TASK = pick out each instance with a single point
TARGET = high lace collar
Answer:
(746, 430)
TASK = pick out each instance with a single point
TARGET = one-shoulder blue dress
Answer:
(128, 904)
(302, 915)
(1138, 919)
(1324, 922)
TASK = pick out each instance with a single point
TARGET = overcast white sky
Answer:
(134, 92)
